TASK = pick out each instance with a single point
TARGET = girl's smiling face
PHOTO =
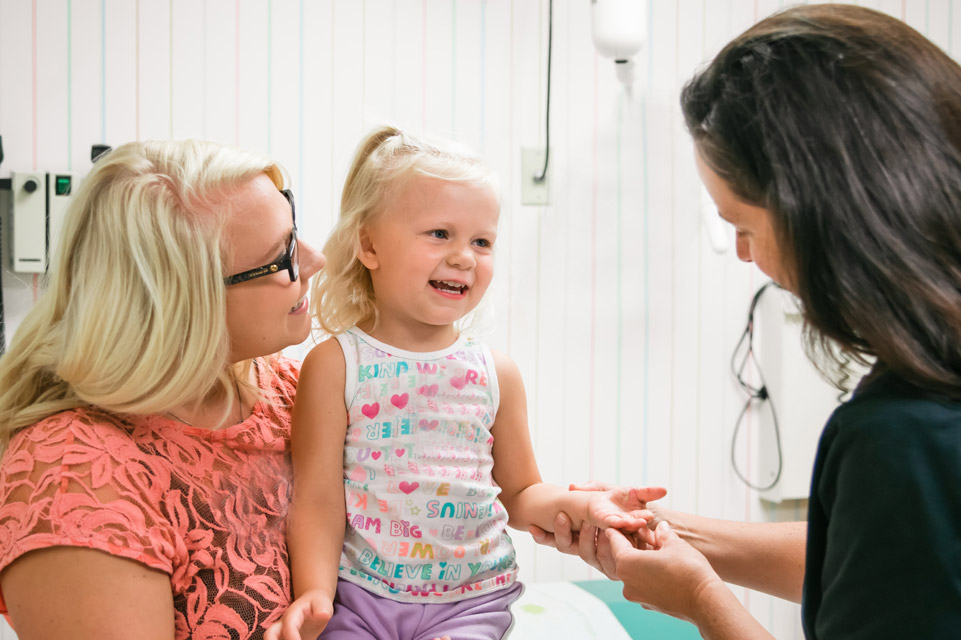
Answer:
(756, 239)
(430, 257)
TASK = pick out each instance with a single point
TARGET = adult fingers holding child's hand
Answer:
(667, 577)
(581, 543)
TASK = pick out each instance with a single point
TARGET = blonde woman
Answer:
(143, 418)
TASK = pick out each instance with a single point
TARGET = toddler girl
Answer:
(407, 430)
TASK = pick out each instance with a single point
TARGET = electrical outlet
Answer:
(532, 191)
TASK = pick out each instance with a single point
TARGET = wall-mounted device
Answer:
(619, 29)
(39, 201)
(60, 190)
(28, 221)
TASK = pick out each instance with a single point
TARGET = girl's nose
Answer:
(462, 258)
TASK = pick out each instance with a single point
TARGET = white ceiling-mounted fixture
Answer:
(619, 29)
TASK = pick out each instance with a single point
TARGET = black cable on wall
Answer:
(547, 116)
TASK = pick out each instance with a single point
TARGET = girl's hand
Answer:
(624, 508)
(307, 616)
(668, 577)
(593, 549)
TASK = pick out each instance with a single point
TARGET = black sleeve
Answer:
(888, 489)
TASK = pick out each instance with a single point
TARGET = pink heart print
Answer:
(428, 426)
(358, 475)
(399, 401)
(429, 391)
(375, 455)
(409, 487)
(370, 410)
(400, 452)
(458, 383)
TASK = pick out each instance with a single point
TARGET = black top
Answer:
(884, 518)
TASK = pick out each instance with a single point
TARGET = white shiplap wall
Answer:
(620, 316)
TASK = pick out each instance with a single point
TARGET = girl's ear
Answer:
(367, 254)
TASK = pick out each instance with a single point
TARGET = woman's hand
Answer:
(307, 616)
(668, 577)
(673, 577)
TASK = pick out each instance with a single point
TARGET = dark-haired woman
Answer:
(829, 136)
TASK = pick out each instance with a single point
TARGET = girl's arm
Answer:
(528, 500)
(71, 592)
(315, 529)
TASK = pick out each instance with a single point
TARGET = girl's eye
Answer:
(483, 242)
(440, 234)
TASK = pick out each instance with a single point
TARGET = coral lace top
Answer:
(208, 508)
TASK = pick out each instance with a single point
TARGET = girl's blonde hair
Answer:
(385, 162)
(133, 319)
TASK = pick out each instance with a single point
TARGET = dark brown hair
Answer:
(845, 123)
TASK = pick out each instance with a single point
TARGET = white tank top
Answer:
(423, 520)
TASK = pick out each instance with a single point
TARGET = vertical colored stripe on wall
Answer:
(103, 71)
(423, 64)
(620, 288)
(300, 104)
(33, 71)
(483, 77)
(136, 82)
(951, 27)
(170, 71)
(646, 251)
(69, 85)
(270, 75)
(237, 72)
(592, 329)
(453, 65)
(700, 342)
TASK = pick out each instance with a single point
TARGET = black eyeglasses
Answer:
(288, 261)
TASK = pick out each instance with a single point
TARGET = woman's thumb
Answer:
(664, 534)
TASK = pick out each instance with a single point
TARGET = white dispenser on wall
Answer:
(619, 29)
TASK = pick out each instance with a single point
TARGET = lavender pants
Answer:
(362, 615)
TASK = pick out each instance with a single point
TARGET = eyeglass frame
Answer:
(289, 261)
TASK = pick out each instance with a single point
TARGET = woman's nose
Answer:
(311, 259)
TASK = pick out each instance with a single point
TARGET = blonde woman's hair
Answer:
(133, 319)
(386, 160)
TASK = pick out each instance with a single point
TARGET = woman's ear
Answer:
(367, 254)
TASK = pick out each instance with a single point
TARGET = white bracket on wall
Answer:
(534, 192)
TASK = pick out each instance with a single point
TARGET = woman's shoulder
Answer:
(898, 410)
(73, 431)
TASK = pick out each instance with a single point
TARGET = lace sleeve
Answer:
(72, 480)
